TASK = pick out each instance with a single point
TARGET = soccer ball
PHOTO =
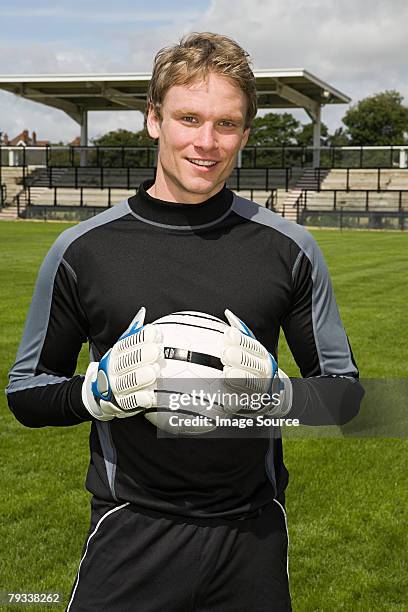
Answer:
(192, 370)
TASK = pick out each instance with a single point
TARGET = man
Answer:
(182, 524)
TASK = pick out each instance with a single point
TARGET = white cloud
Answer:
(358, 48)
(49, 59)
(51, 124)
(96, 16)
(102, 122)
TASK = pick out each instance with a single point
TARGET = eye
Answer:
(188, 119)
(227, 123)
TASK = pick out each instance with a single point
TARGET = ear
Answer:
(245, 137)
(153, 123)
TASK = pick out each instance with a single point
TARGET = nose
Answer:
(206, 137)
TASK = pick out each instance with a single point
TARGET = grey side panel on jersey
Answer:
(109, 453)
(22, 374)
(269, 462)
(106, 442)
(36, 381)
(331, 341)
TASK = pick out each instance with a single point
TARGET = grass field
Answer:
(347, 499)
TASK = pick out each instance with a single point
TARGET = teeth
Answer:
(203, 162)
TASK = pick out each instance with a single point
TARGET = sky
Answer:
(359, 47)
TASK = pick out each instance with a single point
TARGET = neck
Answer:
(178, 215)
(165, 190)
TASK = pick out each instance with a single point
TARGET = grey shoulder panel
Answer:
(38, 315)
(331, 340)
(259, 214)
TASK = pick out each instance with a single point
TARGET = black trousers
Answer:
(142, 561)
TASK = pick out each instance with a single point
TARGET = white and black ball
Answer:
(192, 368)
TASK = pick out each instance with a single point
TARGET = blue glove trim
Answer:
(274, 365)
(274, 370)
(132, 330)
(103, 365)
(245, 329)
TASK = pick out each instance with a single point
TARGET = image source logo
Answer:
(231, 401)
(191, 407)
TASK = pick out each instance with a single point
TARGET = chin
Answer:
(202, 187)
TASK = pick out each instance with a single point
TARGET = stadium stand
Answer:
(12, 188)
(76, 182)
(357, 179)
(355, 200)
(13, 179)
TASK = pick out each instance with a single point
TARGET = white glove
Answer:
(251, 369)
(122, 384)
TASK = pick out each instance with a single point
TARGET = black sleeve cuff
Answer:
(326, 400)
(57, 404)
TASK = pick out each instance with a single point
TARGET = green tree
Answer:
(339, 138)
(271, 130)
(304, 136)
(124, 138)
(381, 119)
(274, 130)
(125, 158)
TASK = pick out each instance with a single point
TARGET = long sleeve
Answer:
(329, 392)
(42, 387)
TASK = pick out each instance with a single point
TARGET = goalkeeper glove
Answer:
(122, 384)
(250, 368)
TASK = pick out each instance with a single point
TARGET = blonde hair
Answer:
(195, 56)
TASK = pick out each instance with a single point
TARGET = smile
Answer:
(208, 163)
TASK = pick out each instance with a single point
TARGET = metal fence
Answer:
(352, 178)
(358, 199)
(354, 219)
(261, 179)
(395, 156)
(364, 209)
(3, 194)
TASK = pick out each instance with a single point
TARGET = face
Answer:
(200, 134)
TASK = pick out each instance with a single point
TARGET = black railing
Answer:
(3, 195)
(81, 199)
(379, 178)
(251, 157)
(70, 156)
(363, 200)
(260, 179)
(343, 218)
(333, 211)
(272, 200)
(264, 179)
(83, 190)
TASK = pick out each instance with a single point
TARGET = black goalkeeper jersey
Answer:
(227, 252)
